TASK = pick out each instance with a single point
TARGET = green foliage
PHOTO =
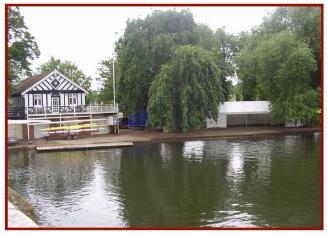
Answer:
(237, 93)
(284, 65)
(278, 67)
(206, 37)
(299, 108)
(145, 46)
(68, 69)
(93, 97)
(160, 107)
(247, 71)
(105, 79)
(148, 44)
(135, 71)
(305, 24)
(277, 61)
(22, 48)
(186, 91)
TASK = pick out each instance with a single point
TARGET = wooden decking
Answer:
(83, 147)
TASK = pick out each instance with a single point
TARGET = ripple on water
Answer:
(233, 218)
(217, 183)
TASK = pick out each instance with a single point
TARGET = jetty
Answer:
(83, 146)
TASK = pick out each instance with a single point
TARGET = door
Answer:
(55, 104)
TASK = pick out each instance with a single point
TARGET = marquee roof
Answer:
(245, 107)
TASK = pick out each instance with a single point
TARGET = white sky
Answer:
(86, 35)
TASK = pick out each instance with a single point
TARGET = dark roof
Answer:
(29, 82)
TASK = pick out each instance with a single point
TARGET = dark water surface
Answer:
(271, 181)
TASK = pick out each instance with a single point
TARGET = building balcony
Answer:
(49, 111)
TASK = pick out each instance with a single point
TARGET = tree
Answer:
(305, 24)
(280, 66)
(68, 69)
(144, 47)
(206, 37)
(105, 78)
(301, 108)
(135, 71)
(186, 91)
(149, 43)
(247, 70)
(93, 97)
(22, 48)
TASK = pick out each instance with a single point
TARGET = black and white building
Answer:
(51, 94)
(56, 100)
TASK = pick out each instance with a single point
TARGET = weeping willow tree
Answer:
(186, 91)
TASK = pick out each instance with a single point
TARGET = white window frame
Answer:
(72, 99)
(37, 99)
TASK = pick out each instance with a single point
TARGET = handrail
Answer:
(53, 110)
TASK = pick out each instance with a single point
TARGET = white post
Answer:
(74, 110)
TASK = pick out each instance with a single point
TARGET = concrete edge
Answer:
(17, 219)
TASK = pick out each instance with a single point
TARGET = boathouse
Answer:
(53, 96)
(50, 93)
(241, 113)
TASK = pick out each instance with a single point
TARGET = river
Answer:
(272, 181)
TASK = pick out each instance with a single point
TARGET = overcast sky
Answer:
(86, 35)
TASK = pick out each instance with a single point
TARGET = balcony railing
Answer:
(45, 111)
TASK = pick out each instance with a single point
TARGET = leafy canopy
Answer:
(105, 79)
(186, 90)
(148, 44)
(279, 67)
(22, 48)
(305, 24)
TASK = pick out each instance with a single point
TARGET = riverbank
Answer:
(131, 135)
(17, 219)
(21, 213)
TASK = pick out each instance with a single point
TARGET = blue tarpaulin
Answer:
(138, 120)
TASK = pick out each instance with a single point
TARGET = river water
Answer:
(256, 182)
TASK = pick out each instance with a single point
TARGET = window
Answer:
(37, 100)
(72, 99)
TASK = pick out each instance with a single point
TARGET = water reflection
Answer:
(236, 162)
(236, 206)
(166, 153)
(193, 150)
(67, 184)
(220, 183)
